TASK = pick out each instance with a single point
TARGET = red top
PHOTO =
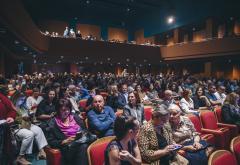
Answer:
(6, 108)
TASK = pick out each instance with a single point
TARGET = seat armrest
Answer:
(215, 132)
(227, 125)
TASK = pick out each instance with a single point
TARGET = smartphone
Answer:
(177, 147)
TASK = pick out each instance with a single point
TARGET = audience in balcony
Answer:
(101, 118)
(124, 149)
(78, 34)
(231, 109)
(63, 130)
(184, 133)
(200, 101)
(134, 107)
(72, 34)
(66, 32)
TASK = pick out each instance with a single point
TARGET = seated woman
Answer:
(124, 149)
(152, 93)
(134, 107)
(200, 101)
(63, 129)
(186, 103)
(155, 140)
(184, 133)
(142, 95)
(46, 109)
(231, 110)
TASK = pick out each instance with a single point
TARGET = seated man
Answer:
(211, 95)
(101, 118)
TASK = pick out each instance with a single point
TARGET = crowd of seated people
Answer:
(44, 109)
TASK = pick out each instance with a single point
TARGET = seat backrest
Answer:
(235, 147)
(221, 157)
(148, 112)
(196, 122)
(208, 120)
(218, 112)
(96, 150)
(83, 103)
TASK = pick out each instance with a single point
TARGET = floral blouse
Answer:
(185, 131)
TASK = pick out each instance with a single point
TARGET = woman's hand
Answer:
(125, 155)
(68, 140)
(197, 145)
(168, 149)
(189, 148)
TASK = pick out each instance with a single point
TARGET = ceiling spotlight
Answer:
(61, 57)
(149, 64)
(127, 59)
(34, 55)
(81, 62)
(170, 19)
(128, 9)
(144, 60)
(34, 61)
(86, 58)
(231, 18)
(101, 62)
(193, 29)
(87, 1)
(119, 63)
(45, 63)
(108, 59)
(75, 18)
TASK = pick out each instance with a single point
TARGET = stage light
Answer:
(170, 19)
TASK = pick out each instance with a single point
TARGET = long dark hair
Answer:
(122, 125)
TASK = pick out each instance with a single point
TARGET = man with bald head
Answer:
(101, 118)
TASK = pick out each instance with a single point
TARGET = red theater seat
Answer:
(83, 103)
(148, 112)
(222, 157)
(96, 150)
(198, 126)
(235, 147)
(234, 129)
(53, 156)
(210, 125)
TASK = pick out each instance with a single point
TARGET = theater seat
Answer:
(198, 126)
(222, 157)
(96, 150)
(148, 112)
(83, 103)
(210, 125)
(53, 156)
(235, 147)
(234, 129)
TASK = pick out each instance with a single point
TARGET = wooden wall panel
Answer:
(237, 28)
(140, 39)
(199, 36)
(117, 34)
(89, 29)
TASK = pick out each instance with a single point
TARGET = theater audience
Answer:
(152, 94)
(72, 34)
(142, 95)
(231, 109)
(101, 118)
(46, 109)
(184, 133)
(186, 103)
(123, 96)
(78, 34)
(124, 149)
(220, 94)
(63, 129)
(155, 140)
(112, 98)
(7, 116)
(168, 99)
(211, 95)
(200, 101)
(66, 32)
(134, 107)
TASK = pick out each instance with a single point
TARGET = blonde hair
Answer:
(231, 98)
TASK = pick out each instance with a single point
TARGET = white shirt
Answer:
(187, 107)
(32, 103)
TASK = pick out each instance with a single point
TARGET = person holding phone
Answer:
(124, 149)
(184, 133)
(63, 131)
(155, 140)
